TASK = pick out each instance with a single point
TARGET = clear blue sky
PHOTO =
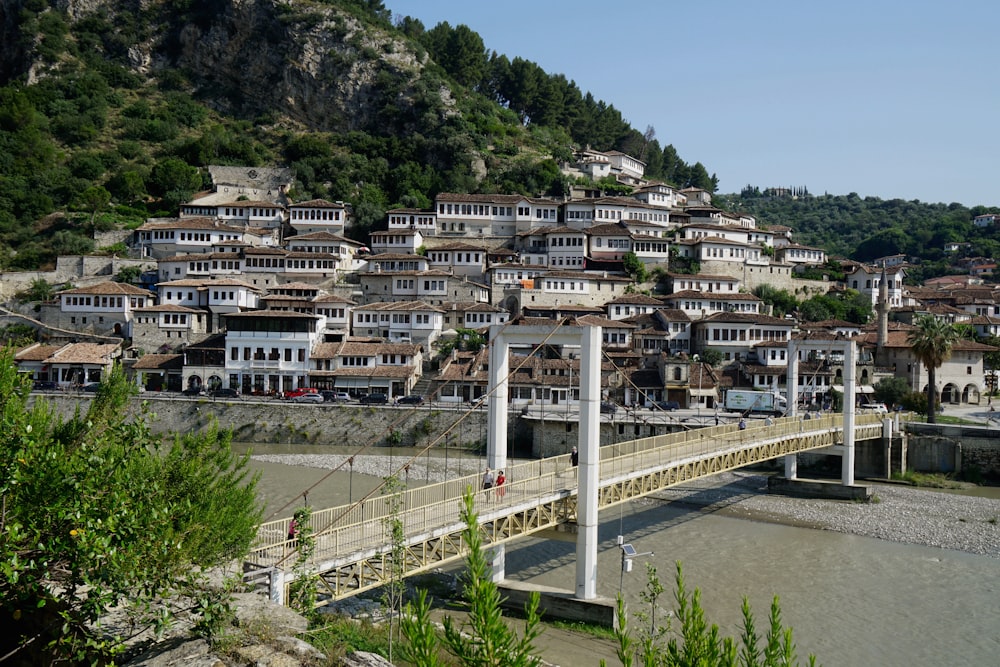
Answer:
(885, 98)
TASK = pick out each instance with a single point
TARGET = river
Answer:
(850, 600)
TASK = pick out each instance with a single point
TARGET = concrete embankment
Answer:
(283, 422)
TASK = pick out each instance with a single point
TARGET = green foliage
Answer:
(635, 267)
(302, 591)
(17, 335)
(710, 356)
(782, 301)
(128, 518)
(891, 391)
(38, 290)
(931, 342)
(422, 643)
(129, 274)
(394, 590)
(697, 643)
(485, 639)
(867, 228)
(849, 305)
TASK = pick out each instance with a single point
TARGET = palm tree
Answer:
(931, 341)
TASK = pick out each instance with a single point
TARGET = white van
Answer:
(879, 408)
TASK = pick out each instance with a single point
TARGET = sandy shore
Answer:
(901, 513)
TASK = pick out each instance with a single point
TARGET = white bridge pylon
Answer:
(502, 338)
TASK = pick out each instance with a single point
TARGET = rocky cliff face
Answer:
(314, 63)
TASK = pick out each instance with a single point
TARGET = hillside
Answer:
(112, 110)
(866, 228)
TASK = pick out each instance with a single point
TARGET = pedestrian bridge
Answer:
(353, 551)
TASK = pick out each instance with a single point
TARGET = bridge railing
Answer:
(433, 506)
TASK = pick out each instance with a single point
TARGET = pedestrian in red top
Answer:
(501, 491)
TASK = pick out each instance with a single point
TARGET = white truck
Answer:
(761, 402)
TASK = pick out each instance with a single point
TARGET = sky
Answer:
(884, 98)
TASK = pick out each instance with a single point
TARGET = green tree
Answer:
(891, 390)
(99, 512)
(485, 639)
(635, 267)
(931, 341)
(38, 290)
(697, 643)
(93, 199)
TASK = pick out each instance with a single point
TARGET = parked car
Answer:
(295, 393)
(308, 397)
(224, 392)
(41, 385)
(608, 408)
(196, 390)
(335, 396)
(374, 399)
(666, 405)
(92, 387)
(875, 407)
(411, 399)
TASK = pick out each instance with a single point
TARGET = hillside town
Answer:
(252, 293)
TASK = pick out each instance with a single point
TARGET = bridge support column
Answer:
(792, 398)
(496, 437)
(589, 448)
(850, 370)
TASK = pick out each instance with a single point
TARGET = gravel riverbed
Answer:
(900, 514)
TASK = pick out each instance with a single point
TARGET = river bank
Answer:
(910, 515)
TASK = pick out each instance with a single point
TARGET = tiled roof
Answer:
(399, 306)
(636, 300)
(84, 353)
(36, 352)
(159, 362)
(322, 236)
(189, 223)
(166, 308)
(598, 321)
(376, 372)
(315, 203)
(108, 289)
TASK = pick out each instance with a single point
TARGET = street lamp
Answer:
(697, 360)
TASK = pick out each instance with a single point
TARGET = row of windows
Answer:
(266, 262)
(446, 257)
(719, 334)
(100, 301)
(328, 249)
(274, 354)
(328, 264)
(314, 214)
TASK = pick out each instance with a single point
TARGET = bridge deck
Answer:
(352, 546)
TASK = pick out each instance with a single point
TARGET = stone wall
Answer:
(281, 422)
(953, 449)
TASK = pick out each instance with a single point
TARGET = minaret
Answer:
(882, 312)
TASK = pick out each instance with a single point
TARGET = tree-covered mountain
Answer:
(112, 109)
(866, 228)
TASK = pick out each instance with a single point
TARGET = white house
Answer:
(414, 219)
(867, 280)
(734, 335)
(268, 351)
(405, 241)
(319, 215)
(168, 327)
(702, 304)
(163, 238)
(461, 259)
(399, 321)
(628, 305)
(106, 307)
(793, 253)
(362, 367)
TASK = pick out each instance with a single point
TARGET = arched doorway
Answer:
(971, 394)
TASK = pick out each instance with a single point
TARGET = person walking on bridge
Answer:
(501, 491)
(487, 481)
